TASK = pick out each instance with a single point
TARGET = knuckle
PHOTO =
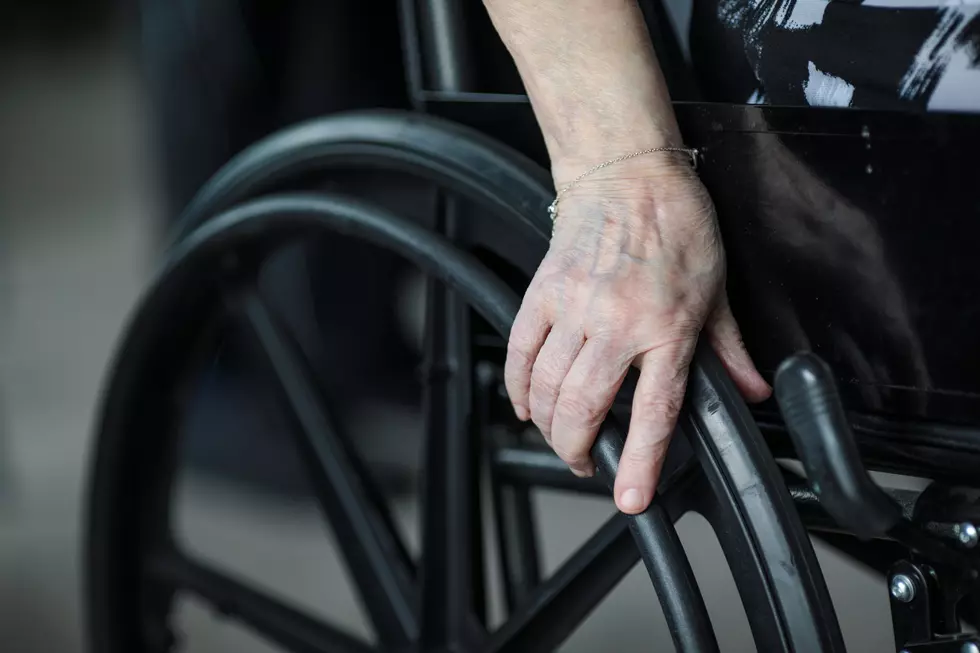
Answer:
(572, 454)
(545, 383)
(532, 317)
(609, 328)
(541, 419)
(644, 453)
(686, 328)
(518, 358)
(661, 410)
(542, 404)
(552, 280)
(516, 380)
(738, 342)
(679, 331)
(580, 409)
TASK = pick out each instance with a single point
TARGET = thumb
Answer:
(726, 340)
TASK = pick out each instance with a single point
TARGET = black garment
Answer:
(221, 74)
(875, 54)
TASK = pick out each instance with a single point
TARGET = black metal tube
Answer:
(933, 548)
(904, 535)
(411, 51)
(664, 557)
(445, 55)
(538, 467)
(517, 540)
(372, 551)
(452, 564)
(553, 612)
(280, 624)
(876, 555)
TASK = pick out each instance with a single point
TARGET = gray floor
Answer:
(76, 245)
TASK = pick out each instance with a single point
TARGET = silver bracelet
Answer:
(553, 207)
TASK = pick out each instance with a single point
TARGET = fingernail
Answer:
(631, 500)
(522, 413)
(584, 472)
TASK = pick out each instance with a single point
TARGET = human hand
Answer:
(635, 272)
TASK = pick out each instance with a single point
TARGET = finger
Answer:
(526, 337)
(585, 398)
(656, 404)
(726, 340)
(552, 364)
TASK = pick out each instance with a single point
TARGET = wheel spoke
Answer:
(517, 540)
(371, 548)
(560, 604)
(653, 530)
(533, 466)
(286, 626)
(451, 570)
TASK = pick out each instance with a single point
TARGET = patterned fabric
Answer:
(911, 54)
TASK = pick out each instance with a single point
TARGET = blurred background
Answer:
(105, 129)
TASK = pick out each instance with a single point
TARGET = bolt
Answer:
(966, 533)
(902, 588)
(970, 647)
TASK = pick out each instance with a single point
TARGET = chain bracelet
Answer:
(553, 207)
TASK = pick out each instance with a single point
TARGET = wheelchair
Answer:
(834, 250)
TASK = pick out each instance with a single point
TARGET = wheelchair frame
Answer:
(720, 466)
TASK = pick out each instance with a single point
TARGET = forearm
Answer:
(592, 77)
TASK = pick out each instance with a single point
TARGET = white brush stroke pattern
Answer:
(959, 87)
(933, 58)
(806, 14)
(826, 90)
(919, 4)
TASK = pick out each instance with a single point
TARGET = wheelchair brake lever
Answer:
(812, 409)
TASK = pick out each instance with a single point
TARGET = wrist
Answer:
(584, 142)
(630, 168)
(635, 189)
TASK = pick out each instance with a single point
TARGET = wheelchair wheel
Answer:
(719, 465)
